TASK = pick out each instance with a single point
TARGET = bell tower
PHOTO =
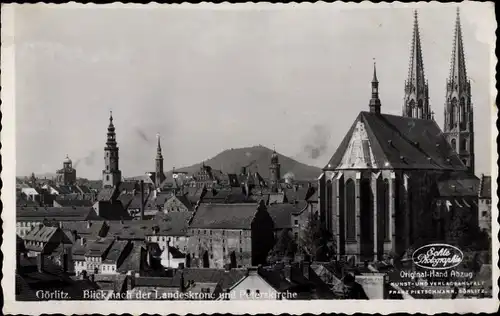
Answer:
(274, 171)
(416, 100)
(111, 175)
(159, 175)
(458, 112)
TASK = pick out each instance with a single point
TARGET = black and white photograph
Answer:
(202, 158)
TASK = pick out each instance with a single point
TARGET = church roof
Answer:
(382, 141)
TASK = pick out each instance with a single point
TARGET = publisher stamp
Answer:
(271, 158)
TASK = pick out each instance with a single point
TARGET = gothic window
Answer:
(463, 144)
(412, 108)
(454, 144)
(329, 202)
(350, 206)
(107, 177)
(387, 211)
(453, 117)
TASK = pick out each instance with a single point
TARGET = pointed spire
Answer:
(374, 71)
(375, 101)
(458, 73)
(416, 101)
(416, 66)
(158, 147)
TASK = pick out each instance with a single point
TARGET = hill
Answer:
(231, 161)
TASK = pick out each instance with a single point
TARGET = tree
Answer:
(285, 246)
(317, 241)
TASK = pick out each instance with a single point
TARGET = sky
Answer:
(209, 78)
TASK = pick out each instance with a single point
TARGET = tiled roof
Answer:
(401, 143)
(224, 216)
(86, 228)
(227, 278)
(282, 213)
(173, 223)
(126, 199)
(99, 247)
(134, 261)
(85, 189)
(40, 233)
(80, 203)
(485, 187)
(185, 201)
(157, 282)
(128, 186)
(162, 198)
(105, 194)
(56, 213)
(116, 251)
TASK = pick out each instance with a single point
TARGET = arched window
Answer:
(453, 117)
(350, 205)
(387, 211)
(454, 144)
(329, 202)
(463, 144)
(411, 108)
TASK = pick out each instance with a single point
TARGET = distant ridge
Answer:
(231, 161)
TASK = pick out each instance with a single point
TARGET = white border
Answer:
(252, 307)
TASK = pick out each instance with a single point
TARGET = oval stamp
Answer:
(437, 256)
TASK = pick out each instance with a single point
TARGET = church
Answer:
(398, 182)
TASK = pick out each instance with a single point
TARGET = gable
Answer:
(381, 141)
(358, 154)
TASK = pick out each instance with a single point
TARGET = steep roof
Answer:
(56, 213)
(99, 247)
(224, 216)
(383, 141)
(86, 228)
(74, 202)
(116, 251)
(282, 213)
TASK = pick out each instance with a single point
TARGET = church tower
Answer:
(159, 175)
(274, 171)
(111, 175)
(458, 112)
(416, 99)
(375, 100)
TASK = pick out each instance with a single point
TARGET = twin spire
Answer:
(416, 98)
(458, 73)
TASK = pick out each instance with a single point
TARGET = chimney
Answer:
(182, 283)
(131, 281)
(89, 223)
(82, 241)
(142, 199)
(39, 262)
(64, 260)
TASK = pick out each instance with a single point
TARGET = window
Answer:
(387, 211)
(463, 144)
(484, 214)
(454, 144)
(296, 222)
(350, 207)
(241, 250)
(296, 236)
